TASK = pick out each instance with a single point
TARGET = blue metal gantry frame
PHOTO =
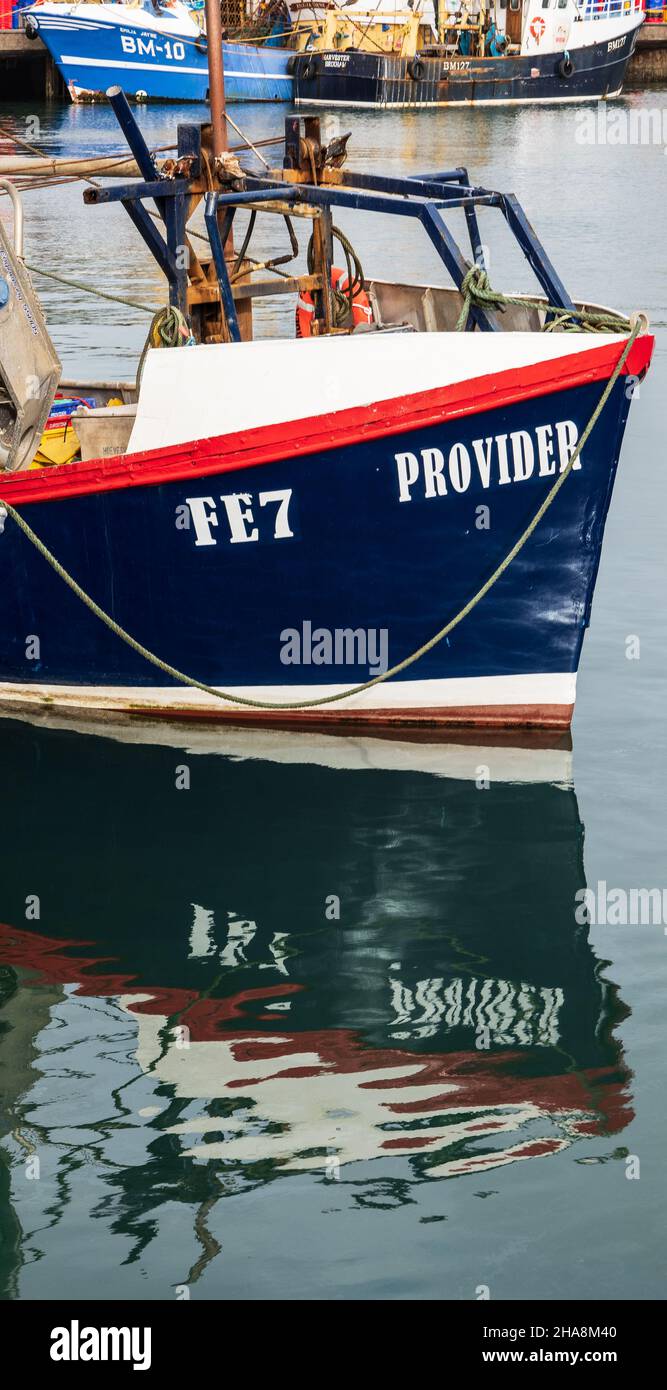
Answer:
(170, 195)
(423, 197)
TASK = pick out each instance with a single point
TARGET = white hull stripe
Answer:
(466, 692)
(58, 26)
(475, 101)
(173, 68)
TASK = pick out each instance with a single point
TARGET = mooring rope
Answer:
(245, 700)
(90, 289)
(477, 292)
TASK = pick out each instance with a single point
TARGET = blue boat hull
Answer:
(356, 547)
(152, 66)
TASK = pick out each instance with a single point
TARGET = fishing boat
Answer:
(156, 50)
(392, 516)
(482, 52)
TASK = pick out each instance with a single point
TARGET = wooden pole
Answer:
(62, 167)
(111, 166)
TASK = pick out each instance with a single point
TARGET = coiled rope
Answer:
(245, 700)
(169, 329)
(343, 300)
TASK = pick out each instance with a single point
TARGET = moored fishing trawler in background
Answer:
(156, 50)
(277, 558)
(481, 52)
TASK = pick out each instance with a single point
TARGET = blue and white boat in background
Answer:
(155, 50)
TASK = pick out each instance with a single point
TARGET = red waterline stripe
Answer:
(313, 434)
(485, 717)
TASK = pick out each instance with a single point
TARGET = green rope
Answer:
(169, 329)
(89, 289)
(343, 300)
(179, 676)
(477, 293)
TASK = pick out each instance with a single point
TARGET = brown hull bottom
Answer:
(470, 717)
(552, 717)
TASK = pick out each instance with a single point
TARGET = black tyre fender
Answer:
(565, 66)
(31, 28)
(310, 69)
(201, 43)
(415, 69)
(291, 64)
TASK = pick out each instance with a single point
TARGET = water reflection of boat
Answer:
(319, 966)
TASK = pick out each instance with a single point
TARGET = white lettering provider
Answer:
(497, 459)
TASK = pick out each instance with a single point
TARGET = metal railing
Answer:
(608, 9)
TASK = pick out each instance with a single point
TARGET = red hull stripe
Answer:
(293, 438)
(554, 717)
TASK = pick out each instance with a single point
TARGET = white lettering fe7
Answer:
(245, 518)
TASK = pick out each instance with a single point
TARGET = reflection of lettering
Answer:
(500, 1013)
(279, 951)
(239, 935)
(202, 933)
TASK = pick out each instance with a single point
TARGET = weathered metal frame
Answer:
(399, 197)
(422, 197)
(171, 197)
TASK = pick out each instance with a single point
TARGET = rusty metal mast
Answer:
(216, 76)
(216, 97)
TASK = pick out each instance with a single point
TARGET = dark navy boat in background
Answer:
(529, 51)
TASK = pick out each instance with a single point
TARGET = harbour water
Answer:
(296, 1017)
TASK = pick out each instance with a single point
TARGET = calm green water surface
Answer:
(324, 1025)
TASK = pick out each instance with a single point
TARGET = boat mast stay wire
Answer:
(90, 289)
(85, 178)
